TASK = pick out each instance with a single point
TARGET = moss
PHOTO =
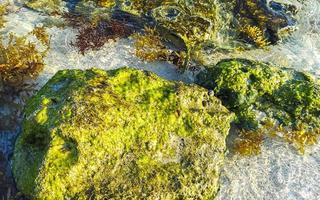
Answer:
(94, 10)
(257, 92)
(300, 98)
(196, 22)
(140, 7)
(120, 134)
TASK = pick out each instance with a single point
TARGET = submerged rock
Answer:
(120, 134)
(253, 89)
(196, 22)
(193, 26)
(47, 6)
(267, 19)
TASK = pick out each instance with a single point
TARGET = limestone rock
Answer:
(120, 134)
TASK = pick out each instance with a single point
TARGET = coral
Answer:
(301, 137)
(20, 60)
(253, 90)
(120, 134)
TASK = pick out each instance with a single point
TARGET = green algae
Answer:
(47, 6)
(120, 134)
(241, 84)
(249, 88)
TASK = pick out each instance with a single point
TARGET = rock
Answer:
(120, 134)
(269, 19)
(249, 88)
(196, 21)
(193, 23)
(47, 6)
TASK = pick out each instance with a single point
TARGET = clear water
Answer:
(279, 172)
(301, 50)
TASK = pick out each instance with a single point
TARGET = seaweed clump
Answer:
(20, 60)
(149, 46)
(41, 34)
(248, 143)
(120, 134)
(254, 35)
(92, 36)
(258, 92)
(259, 24)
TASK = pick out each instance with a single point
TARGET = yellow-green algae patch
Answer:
(121, 134)
(259, 92)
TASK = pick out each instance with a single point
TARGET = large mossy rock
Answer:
(121, 134)
(251, 88)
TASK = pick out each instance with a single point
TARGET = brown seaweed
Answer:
(93, 36)
(149, 46)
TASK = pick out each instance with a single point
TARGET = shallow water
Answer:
(301, 50)
(279, 172)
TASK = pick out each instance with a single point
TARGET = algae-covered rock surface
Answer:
(255, 90)
(120, 134)
(214, 21)
(222, 23)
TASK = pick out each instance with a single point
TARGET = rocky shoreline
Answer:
(268, 101)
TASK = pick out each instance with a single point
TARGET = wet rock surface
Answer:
(7, 184)
(247, 87)
(120, 134)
